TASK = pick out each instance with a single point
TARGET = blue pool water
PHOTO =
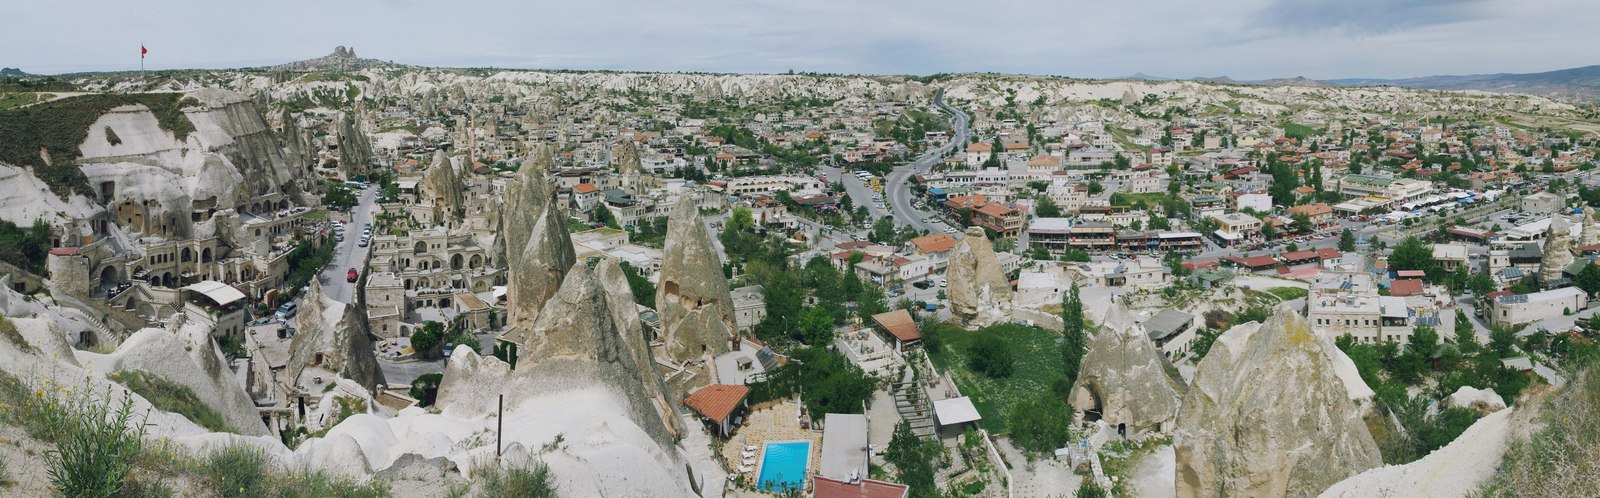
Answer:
(783, 466)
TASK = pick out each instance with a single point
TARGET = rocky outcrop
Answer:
(1557, 250)
(342, 59)
(1588, 234)
(625, 315)
(1458, 469)
(441, 186)
(979, 293)
(540, 264)
(628, 158)
(524, 202)
(1123, 377)
(1268, 416)
(333, 337)
(355, 151)
(692, 298)
(190, 359)
(1483, 400)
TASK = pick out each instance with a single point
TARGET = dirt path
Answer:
(1152, 478)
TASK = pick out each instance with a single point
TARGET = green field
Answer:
(1038, 364)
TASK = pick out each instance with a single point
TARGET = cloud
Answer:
(1365, 16)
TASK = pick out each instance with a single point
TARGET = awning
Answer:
(222, 294)
(955, 411)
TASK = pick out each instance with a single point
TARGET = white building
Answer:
(1510, 311)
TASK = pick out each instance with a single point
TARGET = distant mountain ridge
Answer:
(1579, 82)
(342, 59)
(13, 72)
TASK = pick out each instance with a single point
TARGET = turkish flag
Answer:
(143, 50)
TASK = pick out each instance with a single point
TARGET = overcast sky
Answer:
(1244, 39)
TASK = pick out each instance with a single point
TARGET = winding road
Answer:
(898, 185)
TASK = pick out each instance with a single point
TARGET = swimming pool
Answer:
(783, 466)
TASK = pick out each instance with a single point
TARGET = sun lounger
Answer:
(744, 469)
(747, 454)
(750, 448)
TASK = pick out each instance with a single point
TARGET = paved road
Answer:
(349, 254)
(898, 184)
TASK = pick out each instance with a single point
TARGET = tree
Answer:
(1075, 340)
(1040, 424)
(883, 232)
(1301, 223)
(1047, 208)
(1412, 254)
(1481, 284)
(1501, 339)
(426, 339)
(989, 355)
(1160, 223)
(1466, 338)
(425, 387)
(1347, 240)
(1268, 231)
(602, 215)
(1588, 279)
(816, 327)
(912, 459)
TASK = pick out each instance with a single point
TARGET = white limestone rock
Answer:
(1123, 376)
(693, 298)
(979, 293)
(1485, 400)
(1267, 415)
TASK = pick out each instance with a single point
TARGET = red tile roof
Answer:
(1300, 255)
(585, 188)
(717, 401)
(64, 251)
(824, 487)
(1407, 287)
(899, 324)
(934, 243)
(1262, 261)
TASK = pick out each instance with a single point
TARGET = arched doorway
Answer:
(167, 280)
(420, 247)
(205, 255)
(108, 275)
(444, 302)
(185, 255)
(455, 262)
(476, 262)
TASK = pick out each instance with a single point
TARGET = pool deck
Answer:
(777, 424)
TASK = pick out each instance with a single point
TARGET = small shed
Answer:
(955, 412)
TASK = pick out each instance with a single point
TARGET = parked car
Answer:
(287, 311)
(351, 275)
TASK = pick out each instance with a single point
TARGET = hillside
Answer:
(1579, 82)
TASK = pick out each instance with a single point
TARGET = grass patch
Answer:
(530, 479)
(1288, 293)
(1562, 458)
(1299, 131)
(9, 333)
(1035, 355)
(172, 397)
(57, 127)
(245, 471)
(18, 99)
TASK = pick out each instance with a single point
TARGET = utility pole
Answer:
(500, 427)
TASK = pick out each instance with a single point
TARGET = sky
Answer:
(1243, 39)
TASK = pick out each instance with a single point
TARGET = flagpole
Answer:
(141, 63)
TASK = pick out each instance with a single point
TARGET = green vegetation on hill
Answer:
(1561, 457)
(25, 248)
(172, 397)
(57, 127)
(1299, 131)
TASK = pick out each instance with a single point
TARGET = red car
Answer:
(351, 275)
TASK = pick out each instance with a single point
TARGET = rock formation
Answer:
(1588, 234)
(1484, 400)
(1123, 377)
(979, 293)
(1557, 250)
(693, 299)
(441, 186)
(524, 202)
(355, 151)
(628, 158)
(333, 336)
(186, 358)
(579, 378)
(625, 315)
(534, 274)
(1267, 415)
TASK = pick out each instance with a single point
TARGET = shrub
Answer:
(530, 479)
(172, 397)
(1559, 458)
(1041, 424)
(95, 450)
(990, 356)
(235, 471)
(425, 387)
